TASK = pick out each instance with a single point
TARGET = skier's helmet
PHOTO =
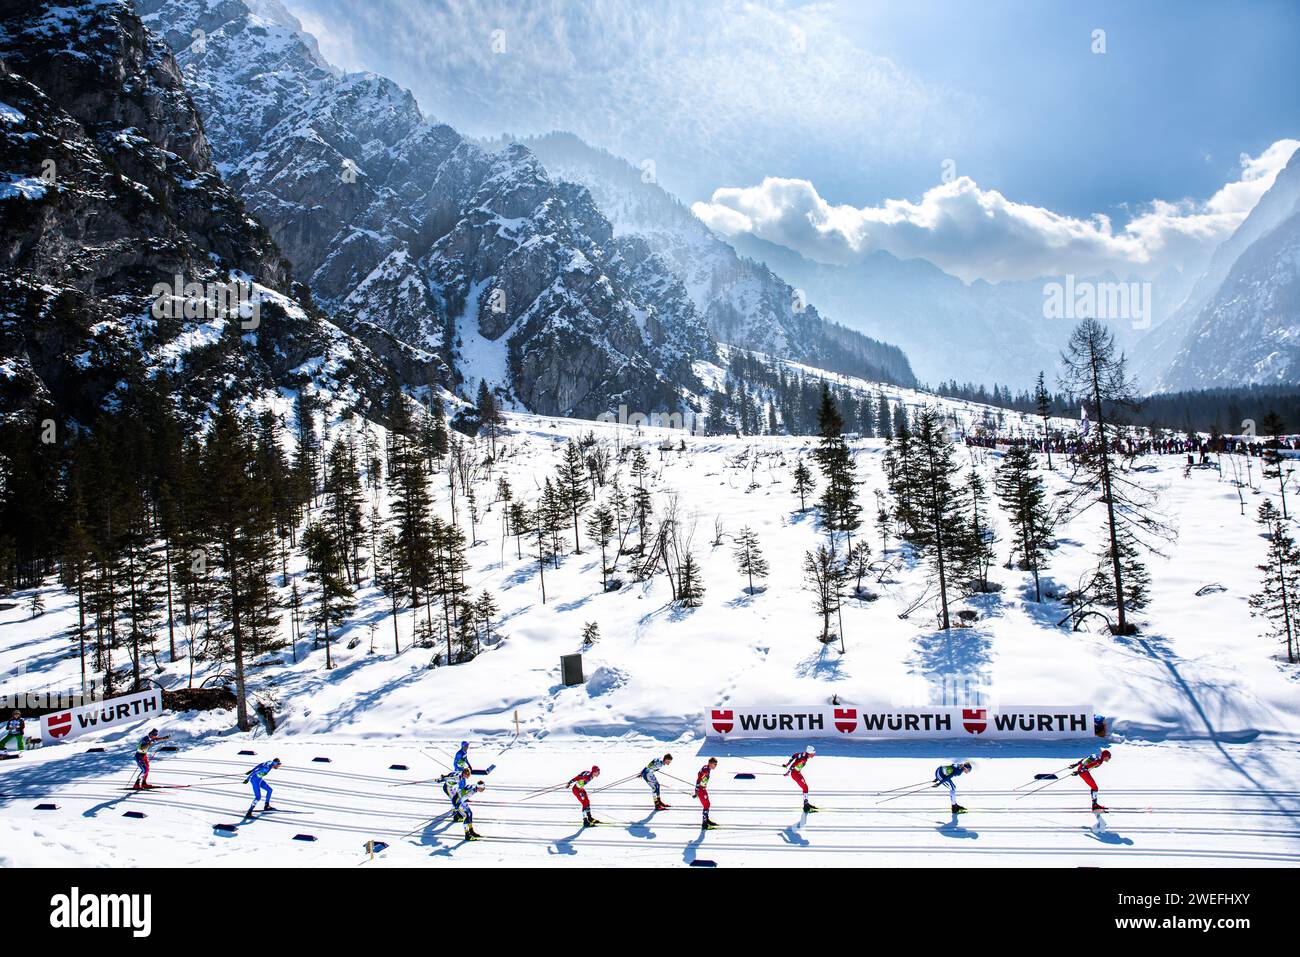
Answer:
(1105, 755)
(464, 745)
(276, 762)
(713, 762)
(153, 733)
(464, 772)
(595, 769)
(667, 758)
(965, 765)
(811, 749)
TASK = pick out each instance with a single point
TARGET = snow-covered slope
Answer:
(1204, 712)
(658, 666)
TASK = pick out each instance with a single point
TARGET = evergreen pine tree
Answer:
(485, 610)
(749, 557)
(803, 484)
(974, 550)
(1023, 496)
(824, 577)
(690, 584)
(335, 600)
(600, 529)
(1278, 600)
(939, 523)
(571, 484)
(1095, 370)
(1043, 406)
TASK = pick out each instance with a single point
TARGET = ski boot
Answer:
(458, 817)
(958, 809)
(660, 805)
(809, 808)
(472, 835)
(1098, 808)
(708, 825)
(267, 807)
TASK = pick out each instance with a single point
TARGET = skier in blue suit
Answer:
(945, 775)
(458, 764)
(257, 777)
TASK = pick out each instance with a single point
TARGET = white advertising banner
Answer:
(73, 723)
(1040, 722)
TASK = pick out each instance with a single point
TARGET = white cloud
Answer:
(711, 91)
(978, 233)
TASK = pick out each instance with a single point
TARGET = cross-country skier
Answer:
(142, 758)
(648, 776)
(257, 777)
(461, 760)
(450, 784)
(946, 774)
(1087, 764)
(464, 790)
(14, 728)
(452, 788)
(795, 768)
(702, 791)
(579, 784)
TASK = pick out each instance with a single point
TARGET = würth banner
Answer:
(1028, 721)
(73, 723)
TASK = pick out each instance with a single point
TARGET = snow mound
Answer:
(606, 679)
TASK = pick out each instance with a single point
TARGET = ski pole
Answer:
(1036, 790)
(614, 784)
(402, 784)
(918, 784)
(1043, 777)
(550, 790)
(770, 764)
(906, 793)
(673, 777)
(432, 758)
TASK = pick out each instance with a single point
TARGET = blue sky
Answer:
(865, 105)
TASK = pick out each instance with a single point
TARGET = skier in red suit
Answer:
(1087, 764)
(702, 791)
(579, 784)
(795, 768)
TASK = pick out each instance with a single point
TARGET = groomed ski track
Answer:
(1174, 804)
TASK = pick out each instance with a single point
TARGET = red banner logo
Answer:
(974, 720)
(846, 720)
(723, 721)
(60, 724)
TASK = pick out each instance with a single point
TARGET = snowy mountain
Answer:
(745, 304)
(483, 259)
(121, 239)
(1241, 322)
(979, 332)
